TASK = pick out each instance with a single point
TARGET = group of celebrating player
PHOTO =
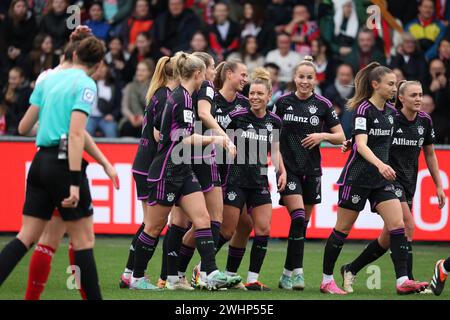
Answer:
(221, 194)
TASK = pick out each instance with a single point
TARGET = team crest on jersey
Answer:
(314, 120)
(269, 127)
(312, 109)
(398, 192)
(421, 130)
(421, 141)
(355, 199)
(231, 195)
(170, 197)
(391, 119)
(238, 107)
(292, 186)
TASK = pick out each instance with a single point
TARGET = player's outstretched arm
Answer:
(433, 167)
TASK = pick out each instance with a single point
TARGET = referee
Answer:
(57, 177)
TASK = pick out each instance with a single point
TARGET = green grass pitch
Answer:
(111, 254)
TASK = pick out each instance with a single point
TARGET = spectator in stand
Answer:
(399, 75)
(116, 12)
(39, 8)
(444, 54)
(248, 54)
(99, 26)
(284, 57)
(15, 97)
(256, 25)
(5, 118)
(277, 89)
(325, 71)
(139, 22)
(440, 124)
(134, 102)
(19, 31)
(403, 9)
(107, 107)
(439, 87)
(341, 30)
(302, 30)
(224, 33)
(410, 60)
(426, 29)
(199, 43)
(173, 29)
(116, 58)
(364, 52)
(339, 92)
(54, 24)
(42, 56)
(279, 12)
(443, 11)
(145, 49)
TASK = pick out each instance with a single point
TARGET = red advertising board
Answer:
(119, 212)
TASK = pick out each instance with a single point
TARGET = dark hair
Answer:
(243, 49)
(258, 14)
(96, 3)
(272, 65)
(363, 83)
(11, 10)
(36, 53)
(90, 51)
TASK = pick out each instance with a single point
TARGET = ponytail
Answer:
(163, 73)
(401, 87)
(363, 83)
(186, 64)
(221, 72)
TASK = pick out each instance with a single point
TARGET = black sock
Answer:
(258, 253)
(10, 256)
(174, 240)
(447, 264)
(235, 256)
(130, 262)
(215, 229)
(145, 247)
(333, 248)
(205, 247)
(371, 253)
(221, 242)
(305, 228)
(399, 249)
(410, 261)
(163, 273)
(186, 254)
(84, 259)
(296, 240)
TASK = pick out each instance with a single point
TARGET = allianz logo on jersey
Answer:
(314, 120)
(406, 142)
(380, 132)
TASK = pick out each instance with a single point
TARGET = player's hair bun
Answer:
(308, 58)
(261, 74)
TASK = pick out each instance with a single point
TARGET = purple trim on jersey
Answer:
(139, 172)
(241, 96)
(203, 233)
(151, 203)
(398, 231)
(146, 239)
(337, 236)
(322, 98)
(296, 214)
(349, 188)
(362, 108)
(208, 189)
(227, 175)
(349, 163)
(237, 112)
(274, 115)
(143, 198)
(425, 115)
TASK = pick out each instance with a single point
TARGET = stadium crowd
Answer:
(412, 37)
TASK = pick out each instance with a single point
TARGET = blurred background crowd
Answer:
(412, 37)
